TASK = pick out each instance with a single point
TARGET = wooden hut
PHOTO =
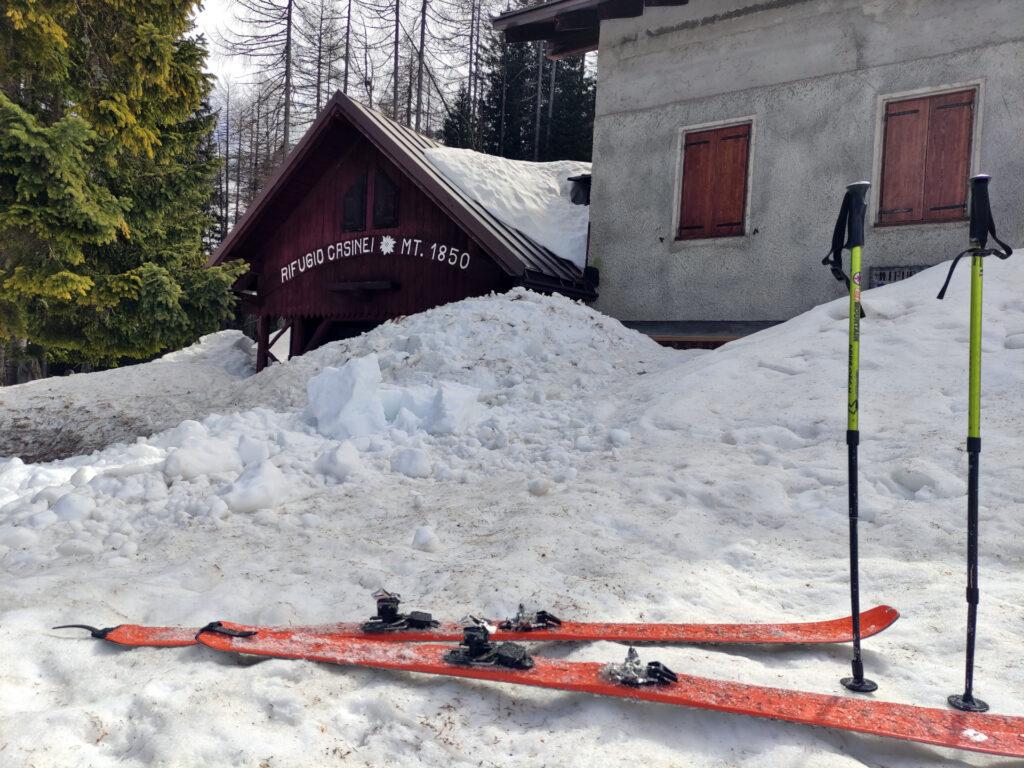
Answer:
(357, 227)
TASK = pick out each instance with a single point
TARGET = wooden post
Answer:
(262, 342)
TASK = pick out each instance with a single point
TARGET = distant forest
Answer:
(434, 65)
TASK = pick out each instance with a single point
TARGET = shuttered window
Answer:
(385, 202)
(714, 191)
(354, 213)
(926, 158)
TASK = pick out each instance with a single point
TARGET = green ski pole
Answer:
(981, 227)
(851, 224)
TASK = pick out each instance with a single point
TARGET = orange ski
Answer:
(992, 734)
(832, 631)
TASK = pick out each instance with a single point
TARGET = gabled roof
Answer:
(516, 254)
(571, 27)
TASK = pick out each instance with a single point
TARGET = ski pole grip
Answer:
(858, 192)
(981, 212)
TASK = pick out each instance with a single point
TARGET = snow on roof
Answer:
(531, 197)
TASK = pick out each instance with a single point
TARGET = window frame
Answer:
(973, 162)
(751, 122)
(344, 199)
(378, 173)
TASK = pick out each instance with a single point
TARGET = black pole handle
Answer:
(858, 192)
(981, 227)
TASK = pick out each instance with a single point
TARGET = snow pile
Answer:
(69, 415)
(580, 468)
(531, 197)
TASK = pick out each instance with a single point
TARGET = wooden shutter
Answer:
(903, 162)
(385, 202)
(714, 189)
(354, 208)
(730, 180)
(948, 166)
(926, 158)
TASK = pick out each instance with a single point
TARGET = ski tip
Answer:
(99, 634)
(877, 619)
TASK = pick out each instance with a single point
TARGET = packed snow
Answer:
(533, 198)
(521, 448)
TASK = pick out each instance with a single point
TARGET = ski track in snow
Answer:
(594, 474)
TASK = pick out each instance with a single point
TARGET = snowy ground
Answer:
(535, 450)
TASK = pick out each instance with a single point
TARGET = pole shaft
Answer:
(852, 440)
(973, 468)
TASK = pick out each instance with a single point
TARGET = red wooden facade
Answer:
(323, 280)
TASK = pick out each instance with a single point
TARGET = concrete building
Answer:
(726, 131)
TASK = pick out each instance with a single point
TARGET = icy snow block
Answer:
(425, 540)
(340, 462)
(345, 402)
(453, 409)
(206, 456)
(74, 506)
(411, 462)
(261, 486)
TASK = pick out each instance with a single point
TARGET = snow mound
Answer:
(68, 415)
(531, 197)
(593, 474)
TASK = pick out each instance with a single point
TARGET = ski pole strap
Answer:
(834, 259)
(981, 227)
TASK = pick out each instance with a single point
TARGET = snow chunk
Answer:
(345, 402)
(261, 486)
(412, 462)
(204, 457)
(340, 462)
(74, 506)
(425, 540)
(539, 486)
(531, 197)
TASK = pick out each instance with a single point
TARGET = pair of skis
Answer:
(412, 643)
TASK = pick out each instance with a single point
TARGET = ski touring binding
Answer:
(477, 650)
(530, 622)
(388, 619)
(635, 673)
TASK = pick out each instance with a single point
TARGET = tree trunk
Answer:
(540, 96)
(288, 79)
(348, 37)
(398, 24)
(419, 75)
(551, 111)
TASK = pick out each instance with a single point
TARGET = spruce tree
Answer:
(105, 178)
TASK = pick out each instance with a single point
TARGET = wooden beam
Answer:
(318, 335)
(621, 9)
(365, 285)
(572, 44)
(529, 32)
(575, 21)
(262, 345)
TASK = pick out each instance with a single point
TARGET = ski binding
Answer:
(477, 650)
(530, 622)
(635, 673)
(388, 619)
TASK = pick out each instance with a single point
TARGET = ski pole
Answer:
(981, 227)
(851, 224)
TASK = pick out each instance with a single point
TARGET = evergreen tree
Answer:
(106, 173)
(506, 110)
(570, 134)
(459, 127)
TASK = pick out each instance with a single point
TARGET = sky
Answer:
(216, 16)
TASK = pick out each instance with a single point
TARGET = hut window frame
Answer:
(355, 220)
(386, 206)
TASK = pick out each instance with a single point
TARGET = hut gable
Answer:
(357, 227)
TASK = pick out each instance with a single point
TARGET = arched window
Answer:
(355, 206)
(385, 202)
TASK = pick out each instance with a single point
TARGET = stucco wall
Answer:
(811, 74)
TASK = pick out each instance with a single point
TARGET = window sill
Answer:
(899, 224)
(676, 245)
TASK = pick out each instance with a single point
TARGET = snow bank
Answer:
(68, 415)
(592, 473)
(531, 197)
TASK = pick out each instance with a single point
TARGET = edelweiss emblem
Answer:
(387, 245)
